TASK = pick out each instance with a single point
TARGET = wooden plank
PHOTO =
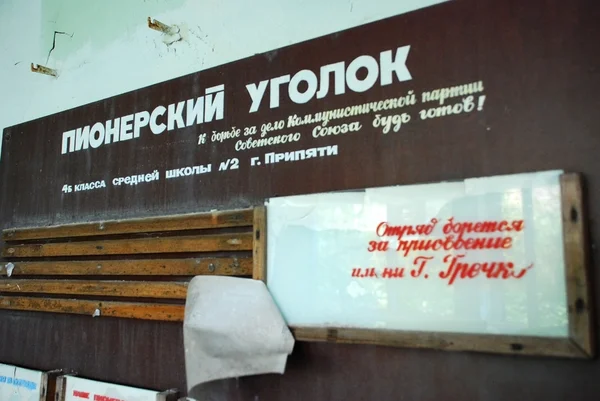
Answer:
(222, 219)
(259, 255)
(130, 310)
(514, 345)
(200, 243)
(576, 261)
(134, 289)
(226, 266)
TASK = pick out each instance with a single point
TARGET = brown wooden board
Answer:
(538, 61)
(514, 345)
(130, 310)
(132, 289)
(259, 257)
(204, 243)
(223, 266)
(577, 261)
(146, 289)
(223, 219)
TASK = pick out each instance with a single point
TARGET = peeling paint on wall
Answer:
(97, 24)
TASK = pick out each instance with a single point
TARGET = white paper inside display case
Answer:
(482, 255)
(18, 384)
(79, 389)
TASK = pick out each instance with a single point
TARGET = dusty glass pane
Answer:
(482, 255)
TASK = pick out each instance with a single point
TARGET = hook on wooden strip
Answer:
(40, 69)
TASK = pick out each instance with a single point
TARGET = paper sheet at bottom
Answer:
(232, 328)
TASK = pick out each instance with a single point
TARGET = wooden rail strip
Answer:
(129, 289)
(259, 255)
(131, 310)
(202, 243)
(224, 219)
(579, 297)
(225, 266)
(515, 345)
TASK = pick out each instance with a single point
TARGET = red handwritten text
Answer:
(461, 228)
(378, 246)
(362, 273)
(385, 230)
(420, 261)
(462, 236)
(491, 270)
(450, 242)
(398, 272)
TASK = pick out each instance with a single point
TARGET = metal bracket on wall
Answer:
(172, 33)
(40, 69)
(159, 26)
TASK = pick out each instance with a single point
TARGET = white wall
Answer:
(112, 50)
